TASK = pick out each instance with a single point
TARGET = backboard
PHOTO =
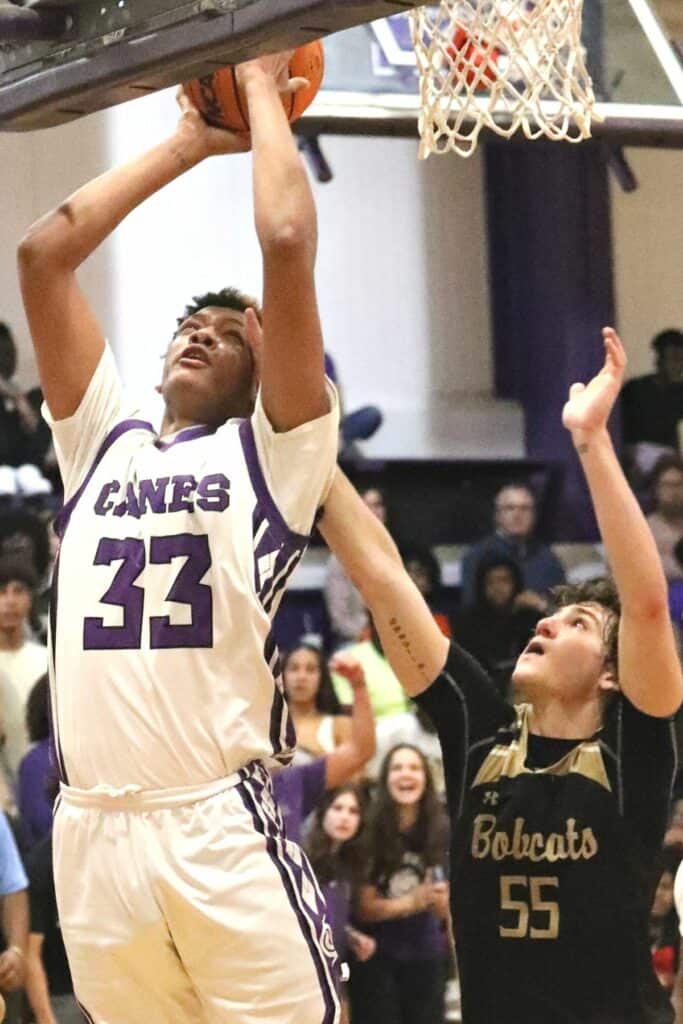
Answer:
(371, 83)
(116, 50)
(119, 49)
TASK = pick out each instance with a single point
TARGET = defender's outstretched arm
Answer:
(411, 640)
(649, 667)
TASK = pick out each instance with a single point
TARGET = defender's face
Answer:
(302, 676)
(209, 369)
(566, 654)
(342, 818)
(406, 777)
(516, 511)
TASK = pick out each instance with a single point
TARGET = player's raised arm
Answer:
(292, 367)
(649, 667)
(66, 335)
(411, 640)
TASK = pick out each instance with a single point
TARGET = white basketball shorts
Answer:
(189, 905)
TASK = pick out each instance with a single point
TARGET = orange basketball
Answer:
(222, 104)
(470, 56)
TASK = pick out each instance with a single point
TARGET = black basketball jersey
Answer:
(554, 857)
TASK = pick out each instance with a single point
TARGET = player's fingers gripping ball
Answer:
(2, 1008)
(223, 104)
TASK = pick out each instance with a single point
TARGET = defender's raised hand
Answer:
(589, 405)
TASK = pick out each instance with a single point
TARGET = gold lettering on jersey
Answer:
(571, 844)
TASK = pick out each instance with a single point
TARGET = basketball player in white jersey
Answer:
(179, 898)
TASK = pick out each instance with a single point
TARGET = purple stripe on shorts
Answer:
(188, 434)
(277, 524)
(62, 520)
(256, 795)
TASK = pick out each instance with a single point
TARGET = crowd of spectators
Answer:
(365, 795)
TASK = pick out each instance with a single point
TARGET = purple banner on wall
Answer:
(550, 253)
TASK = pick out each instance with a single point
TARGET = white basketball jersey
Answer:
(173, 558)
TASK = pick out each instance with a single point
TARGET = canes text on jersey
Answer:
(180, 493)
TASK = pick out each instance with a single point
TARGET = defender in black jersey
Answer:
(558, 804)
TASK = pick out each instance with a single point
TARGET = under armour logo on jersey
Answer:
(491, 797)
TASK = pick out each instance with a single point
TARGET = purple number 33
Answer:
(126, 594)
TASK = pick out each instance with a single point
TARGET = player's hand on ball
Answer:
(589, 405)
(276, 66)
(11, 970)
(348, 667)
(195, 131)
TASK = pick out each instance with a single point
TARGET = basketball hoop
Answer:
(503, 65)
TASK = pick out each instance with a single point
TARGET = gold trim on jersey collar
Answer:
(508, 760)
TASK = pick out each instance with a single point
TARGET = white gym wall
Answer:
(401, 275)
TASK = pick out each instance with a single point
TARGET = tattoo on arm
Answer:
(582, 448)
(402, 638)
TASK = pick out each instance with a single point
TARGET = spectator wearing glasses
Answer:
(514, 536)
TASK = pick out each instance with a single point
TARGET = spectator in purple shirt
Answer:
(403, 902)
(36, 767)
(299, 788)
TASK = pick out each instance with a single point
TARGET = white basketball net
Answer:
(503, 65)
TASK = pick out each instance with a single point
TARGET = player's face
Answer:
(566, 655)
(302, 676)
(342, 818)
(15, 604)
(515, 511)
(209, 369)
(406, 777)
